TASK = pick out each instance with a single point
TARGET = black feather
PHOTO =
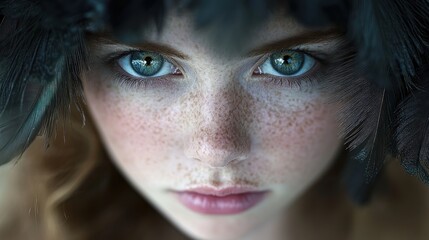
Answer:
(367, 158)
(391, 37)
(38, 77)
(412, 130)
(354, 178)
(365, 117)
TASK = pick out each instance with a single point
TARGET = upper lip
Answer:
(207, 190)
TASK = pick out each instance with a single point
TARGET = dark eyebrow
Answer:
(106, 38)
(306, 37)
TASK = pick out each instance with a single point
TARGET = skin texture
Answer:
(217, 124)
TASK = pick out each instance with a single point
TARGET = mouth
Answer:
(211, 201)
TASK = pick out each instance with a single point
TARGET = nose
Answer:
(218, 136)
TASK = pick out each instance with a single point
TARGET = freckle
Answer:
(215, 183)
(188, 175)
(179, 167)
(300, 130)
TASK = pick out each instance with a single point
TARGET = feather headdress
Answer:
(391, 38)
(42, 51)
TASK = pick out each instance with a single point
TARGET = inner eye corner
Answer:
(257, 71)
(177, 72)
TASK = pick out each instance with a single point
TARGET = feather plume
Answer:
(369, 150)
(391, 37)
(38, 73)
(412, 130)
(392, 43)
(365, 117)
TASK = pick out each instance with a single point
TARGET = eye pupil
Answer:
(287, 62)
(287, 59)
(146, 63)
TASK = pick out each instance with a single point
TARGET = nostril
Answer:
(209, 151)
(220, 164)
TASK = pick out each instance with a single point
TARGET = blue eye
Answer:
(144, 64)
(287, 63)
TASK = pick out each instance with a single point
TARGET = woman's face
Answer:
(220, 144)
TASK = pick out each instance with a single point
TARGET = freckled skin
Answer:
(216, 126)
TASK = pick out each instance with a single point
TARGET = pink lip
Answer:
(230, 200)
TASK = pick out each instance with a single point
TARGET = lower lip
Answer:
(231, 204)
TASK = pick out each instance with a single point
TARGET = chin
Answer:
(214, 234)
(211, 227)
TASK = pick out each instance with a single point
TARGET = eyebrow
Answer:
(106, 38)
(303, 38)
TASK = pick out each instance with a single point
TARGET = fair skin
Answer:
(214, 122)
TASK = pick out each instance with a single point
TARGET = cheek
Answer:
(136, 136)
(298, 145)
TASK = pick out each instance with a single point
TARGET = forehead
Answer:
(179, 31)
(180, 36)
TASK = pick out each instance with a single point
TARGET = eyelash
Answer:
(309, 77)
(130, 82)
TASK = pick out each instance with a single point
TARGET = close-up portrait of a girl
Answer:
(204, 119)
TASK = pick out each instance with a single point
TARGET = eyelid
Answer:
(310, 79)
(110, 58)
(319, 57)
(306, 38)
(113, 58)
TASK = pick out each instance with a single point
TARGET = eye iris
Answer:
(287, 62)
(146, 63)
